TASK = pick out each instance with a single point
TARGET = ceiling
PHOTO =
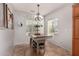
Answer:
(44, 8)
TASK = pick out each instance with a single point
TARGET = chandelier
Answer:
(38, 17)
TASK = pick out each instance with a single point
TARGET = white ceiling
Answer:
(45, 8)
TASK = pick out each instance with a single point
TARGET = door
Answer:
(75, 47)
(76, 28)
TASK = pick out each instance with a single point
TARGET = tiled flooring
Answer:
(50, 50)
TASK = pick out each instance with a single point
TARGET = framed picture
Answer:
(8, 17)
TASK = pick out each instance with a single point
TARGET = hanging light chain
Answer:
(38, 10)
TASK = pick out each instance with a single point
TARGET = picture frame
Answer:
(8, 17)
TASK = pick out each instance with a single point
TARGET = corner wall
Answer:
(64, 36)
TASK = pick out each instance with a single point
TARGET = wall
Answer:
(6, 42)
(21, 33)
(1, 14)
(6, 37)
(64, 36)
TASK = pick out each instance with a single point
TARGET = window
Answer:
(52, 26)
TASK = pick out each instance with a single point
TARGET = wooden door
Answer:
(76, 28)
(76, 38)
(75, 47)
(76, 10)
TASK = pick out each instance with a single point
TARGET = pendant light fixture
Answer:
(38, 19)
(38, 16)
